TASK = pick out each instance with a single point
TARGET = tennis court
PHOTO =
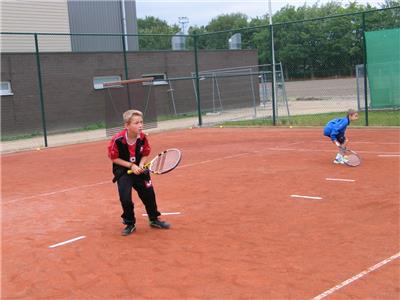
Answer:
(256, 213)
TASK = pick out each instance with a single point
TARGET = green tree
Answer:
(199, 30)
(149, 29)
(222, 23)
(310, 41)
(260, 39)
(319, 47)
(384, 19)
(390, 3)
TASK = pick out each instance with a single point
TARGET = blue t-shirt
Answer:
(336, 127)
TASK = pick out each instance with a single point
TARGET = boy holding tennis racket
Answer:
(129, 150)
(335, 129)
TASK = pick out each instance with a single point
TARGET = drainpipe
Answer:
(124, 31)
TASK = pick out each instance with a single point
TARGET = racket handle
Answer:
(145, 167)
(129, 172)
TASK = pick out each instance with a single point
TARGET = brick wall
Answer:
(71, 102)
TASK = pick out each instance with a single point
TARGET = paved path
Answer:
(295, 108)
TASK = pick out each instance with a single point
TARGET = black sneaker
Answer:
(159, 224)
(129, 229)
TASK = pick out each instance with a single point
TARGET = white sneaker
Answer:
(336, 161)
(339, 157)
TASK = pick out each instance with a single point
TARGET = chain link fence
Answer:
(53, 84)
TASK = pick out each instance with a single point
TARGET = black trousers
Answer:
(341, 138)
(145, 191)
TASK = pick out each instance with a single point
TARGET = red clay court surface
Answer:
(237, 231)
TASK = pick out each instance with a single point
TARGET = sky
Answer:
(201, 12)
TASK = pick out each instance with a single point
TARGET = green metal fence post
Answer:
(196, 65)
(40, 90)
(271, 30)
(365, 69)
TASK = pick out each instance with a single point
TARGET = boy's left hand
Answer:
(136, 169)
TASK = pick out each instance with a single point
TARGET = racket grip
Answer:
(131, 172)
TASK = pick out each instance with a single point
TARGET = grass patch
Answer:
(375, 118)
(95, 126)
(380, 118)
(21, 136)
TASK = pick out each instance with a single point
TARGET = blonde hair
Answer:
(351, 112)
(129, 114)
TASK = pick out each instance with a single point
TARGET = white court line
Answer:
(353, 142)
(340, 179)
(329, 150)
(382, 143)
(389, 155)
(306, 197)
(212, 160)
(294, 143)
(55, 192)
(5, 201)
(69, 241)
(107, 182)
(165, 214)
(358, 276)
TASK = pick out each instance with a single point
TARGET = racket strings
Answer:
(165, 161)
(160, 163)
(353, 160)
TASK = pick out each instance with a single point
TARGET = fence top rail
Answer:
(94, 34)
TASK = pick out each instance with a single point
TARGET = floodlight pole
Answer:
(124, 27)
(273, 65)
(183, 21)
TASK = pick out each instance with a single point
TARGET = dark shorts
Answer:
(341, 138)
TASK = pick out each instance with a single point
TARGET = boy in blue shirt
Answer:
(335, 129)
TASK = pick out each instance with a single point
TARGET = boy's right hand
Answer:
(136, 169)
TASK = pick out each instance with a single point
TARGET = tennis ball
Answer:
(291, 127)
(221, 126)
(38, 149)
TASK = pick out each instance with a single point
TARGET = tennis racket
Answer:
(164, 162)
(350, 157)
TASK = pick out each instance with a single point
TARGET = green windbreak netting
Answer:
(383, 66)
